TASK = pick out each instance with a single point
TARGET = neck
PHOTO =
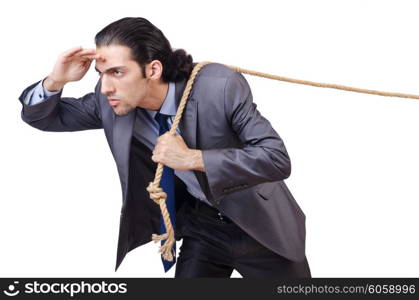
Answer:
(158, 94)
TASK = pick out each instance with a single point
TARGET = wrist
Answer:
(196, 161)
(52, 85)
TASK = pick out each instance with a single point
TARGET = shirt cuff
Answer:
(38, 94)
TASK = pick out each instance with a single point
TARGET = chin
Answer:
(122, 111)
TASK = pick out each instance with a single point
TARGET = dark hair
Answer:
(147, 43)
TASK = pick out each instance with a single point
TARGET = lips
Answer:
(113, 101)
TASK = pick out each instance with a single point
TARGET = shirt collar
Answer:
(169, 104)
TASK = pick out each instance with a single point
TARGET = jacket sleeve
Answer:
(62, 113)
(263, 156)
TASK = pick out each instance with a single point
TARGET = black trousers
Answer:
(213, 246)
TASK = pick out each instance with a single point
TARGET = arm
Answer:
(47, 110)
(56, 113)
(263, 156)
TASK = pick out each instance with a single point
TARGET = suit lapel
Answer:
(188, 123)
(122, 133)
(188, 127)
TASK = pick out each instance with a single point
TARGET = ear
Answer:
(154, 70)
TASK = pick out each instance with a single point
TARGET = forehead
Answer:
(114, 55)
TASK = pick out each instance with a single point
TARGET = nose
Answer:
(107, 88)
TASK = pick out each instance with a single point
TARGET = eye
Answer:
(117, 73)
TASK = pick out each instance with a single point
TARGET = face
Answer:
(122, 79)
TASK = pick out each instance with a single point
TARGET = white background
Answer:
(354, 156)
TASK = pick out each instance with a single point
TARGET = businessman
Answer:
(232, 208)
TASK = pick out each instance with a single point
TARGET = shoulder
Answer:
(216, 76)
(216, 70)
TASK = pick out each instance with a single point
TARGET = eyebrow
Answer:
(110, 69)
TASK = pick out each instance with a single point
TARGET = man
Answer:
(233, 210)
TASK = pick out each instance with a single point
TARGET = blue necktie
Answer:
(167, 183)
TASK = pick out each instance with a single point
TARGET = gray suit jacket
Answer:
(245, 159)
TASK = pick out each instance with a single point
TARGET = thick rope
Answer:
(156, 193)
(159, 196)
(324, 85)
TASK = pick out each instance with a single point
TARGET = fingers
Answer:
(93, 56)
(164, 137)
(71, 52)
(86, 52)
(86, 57)
(87, 63)
(99, 57)
(179, 137)
(78, 52)
(82, 54)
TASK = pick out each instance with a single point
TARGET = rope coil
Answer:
(159, 196)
